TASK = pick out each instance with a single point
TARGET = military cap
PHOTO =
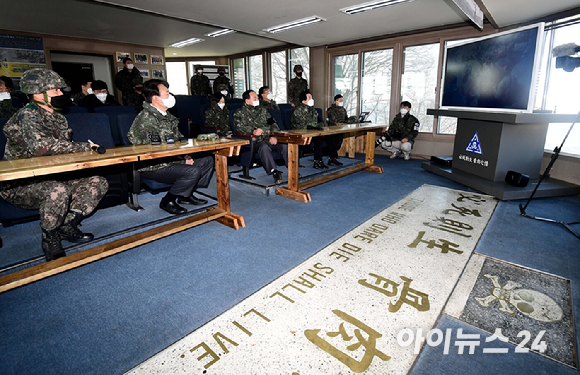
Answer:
(297, 68)
(39, 80)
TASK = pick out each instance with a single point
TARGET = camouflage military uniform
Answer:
(295, 87)
(403, 127)
(305, 116)
(76, 97)
(199, 85)
(125, 81)
(34, 131)
(337, 115)
(269, 105)
(7, 109)
(184, 177)
(215, 117)
(247, 119)
(223, 83)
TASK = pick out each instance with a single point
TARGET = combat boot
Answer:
(72, 233)
(51, 245)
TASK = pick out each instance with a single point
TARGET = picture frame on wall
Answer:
(122, 55)
(119, 68)
(158, 73)
(156, 59)
(141, 58)
(144, 73)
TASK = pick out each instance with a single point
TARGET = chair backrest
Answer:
(124, 122)
(16, 103)
(320, 117)
(287, 116)
(277, 116)
(93, 126)
(235, 105)
(234, 130)
(76, 110)
(188, 107)
(113, 112)
(2, 137)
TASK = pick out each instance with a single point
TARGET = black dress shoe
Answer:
(191, 200)
(319, 164)
(277, 177)
(334, 161)
(172, 207)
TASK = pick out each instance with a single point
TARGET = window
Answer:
(177, 77)
(239, 76)
(279, 79)
(255, 72)
(300, 56)
(419, 80)
(377, 67)
(346, 81)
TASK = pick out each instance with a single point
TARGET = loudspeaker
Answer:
(517, 179)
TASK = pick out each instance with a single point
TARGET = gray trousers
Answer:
(184, 178)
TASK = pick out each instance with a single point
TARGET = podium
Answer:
(489, 144)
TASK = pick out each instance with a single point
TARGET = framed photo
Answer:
(156, 60)
(122, 55)
(141, 58)
(144, 73)
(119, 68)
(158, 73)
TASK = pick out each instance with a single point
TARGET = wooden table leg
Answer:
(292, 191)
(351, 145)
(223, 193)
(370, 154)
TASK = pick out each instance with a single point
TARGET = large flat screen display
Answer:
(497, 72)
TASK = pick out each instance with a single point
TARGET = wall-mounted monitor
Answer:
(495, 73)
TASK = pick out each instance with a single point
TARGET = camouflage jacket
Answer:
(149, 121)
(215, 117)
(7, 109)
(223, 83)
(76, 97)
(199, 85)
(305, 116)
(269, 105)
(403, 127)
(295, 87)
(336, 115)
(125, 81)
(247, 118)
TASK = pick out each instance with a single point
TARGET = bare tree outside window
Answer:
(377, 68)
(256, 70)
(279, 78)
(346, 81)
(419, 80)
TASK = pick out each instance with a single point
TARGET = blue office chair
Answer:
(124, 122)
(75, 110)
(277, 116)
(113, 112)
(285, 106)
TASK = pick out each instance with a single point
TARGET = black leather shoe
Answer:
(319, 164)
(172, 207)
(334, 161)
(72, 233)
(191, 200)
(277, 177)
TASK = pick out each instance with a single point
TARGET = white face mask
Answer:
(169, 102)
(403, 111)
(224, 92)
(130, 66)
(221, 105)
(4, 95)
(200, 71)
(256, 103)
(102, 96)
(311, 102)
(341, 104)
(89, 91)
(270, 96)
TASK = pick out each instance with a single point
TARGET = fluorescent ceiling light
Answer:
(186, 42)
(291, 25)
(371, 5)
(222, 32)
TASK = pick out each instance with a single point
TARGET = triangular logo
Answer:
(474, 145)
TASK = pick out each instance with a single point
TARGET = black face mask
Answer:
(60, 101)
(299, 74)
(222, 74)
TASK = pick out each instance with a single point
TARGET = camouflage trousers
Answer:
(56, 200)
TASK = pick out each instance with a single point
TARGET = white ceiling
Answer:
(161, 23)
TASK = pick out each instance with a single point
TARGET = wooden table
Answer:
(297, 137)
(46, 165)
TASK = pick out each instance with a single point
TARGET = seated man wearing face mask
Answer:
(39, 130)
(218, 115)
(266, 100)
(85, 90)
(336, 114)
(222, 84)
(305, 116)
(184, 174)
(252, 119)
(400, 135)
(99, 98)
(6, 107)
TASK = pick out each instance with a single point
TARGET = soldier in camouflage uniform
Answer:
(266, 98)
(252, 119)
(85, 90)
(218, 115)
(183, 174)
(305, 116)
(296, 86)
(199, 83)
(222, 84)
(38, 130)
(126, 81)
(336, 114)
(400, 136)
